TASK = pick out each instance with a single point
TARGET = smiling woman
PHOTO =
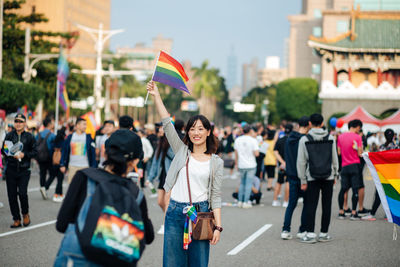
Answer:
(193, 186)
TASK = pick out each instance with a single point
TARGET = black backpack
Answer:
(319, 157)
(43, 154)
(109, 226)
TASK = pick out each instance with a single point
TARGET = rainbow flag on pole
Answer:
(62, 75)
(170, 72)
(385, 169)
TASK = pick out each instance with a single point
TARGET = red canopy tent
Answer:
(370, 123)
(392, 122)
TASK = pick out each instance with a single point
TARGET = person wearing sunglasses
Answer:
(18, 169)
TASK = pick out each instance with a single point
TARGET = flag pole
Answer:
(155, 66)
(57, 100)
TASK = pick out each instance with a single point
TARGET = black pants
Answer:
(60, 177)
(376, 204)
(44, 168)
(350, 178)
(253, 196)
(17, 187)
(312, 196)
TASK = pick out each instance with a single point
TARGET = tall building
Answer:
(63, 15)
(302, 61)
(360, 58)
(231, 77)
(143, 58)
(249, 76)
(272, 73)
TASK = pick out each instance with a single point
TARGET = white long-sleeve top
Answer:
(147, 148)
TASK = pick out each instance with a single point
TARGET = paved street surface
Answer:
(357, 243)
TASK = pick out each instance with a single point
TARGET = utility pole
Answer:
(100, 37)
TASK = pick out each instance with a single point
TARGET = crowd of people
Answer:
(297, 162)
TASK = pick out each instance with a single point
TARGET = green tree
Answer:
(297, 97)
(207, 89)
(78, 85)
(11, 91)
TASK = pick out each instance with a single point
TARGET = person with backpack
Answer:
(193, 187)
(104, 216)
(58, 144)
(45, 148)
(19, 147)
(317, 166)
(79, 151)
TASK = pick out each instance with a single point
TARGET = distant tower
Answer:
(231, 77)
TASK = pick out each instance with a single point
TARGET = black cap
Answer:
(246, 128)
(288, 128)
(20, 117)
(126, 122)
(303, 121)
(128, 142)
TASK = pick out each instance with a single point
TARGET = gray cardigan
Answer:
(182, 153)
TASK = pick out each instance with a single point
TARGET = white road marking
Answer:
(248, 240)
(28, 228)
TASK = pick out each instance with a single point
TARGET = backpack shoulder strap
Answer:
(326, 137)
(47, 135)
(97, 175)
(309, 137)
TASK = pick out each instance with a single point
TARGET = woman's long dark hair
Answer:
(162, 147)
(60, 135)
(211, 142)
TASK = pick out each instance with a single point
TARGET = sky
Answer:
(207, 29)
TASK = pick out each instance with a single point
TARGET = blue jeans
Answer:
(247, 176)
(294, 194)
(174, 255)
(70, 253)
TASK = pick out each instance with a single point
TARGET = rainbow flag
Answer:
(191, 216)
(170, 72)
(385, 169)
(62, 75)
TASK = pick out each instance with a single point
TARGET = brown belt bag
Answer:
(203, 229)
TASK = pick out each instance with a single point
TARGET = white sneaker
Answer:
(300, 235)
(285, 235)
(161, 230)
(247, 205)
(58, 198)
(43, 192)
(300, 200)
(240, 204)
(1, 205)
(285, 204)
(324, 237)
(276, 203)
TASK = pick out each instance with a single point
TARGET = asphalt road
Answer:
(356, 243)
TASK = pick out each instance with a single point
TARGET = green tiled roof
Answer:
(372, 34)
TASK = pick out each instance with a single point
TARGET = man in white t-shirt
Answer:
(108, 129)
(246, 151)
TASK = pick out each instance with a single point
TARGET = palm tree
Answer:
(207, 89)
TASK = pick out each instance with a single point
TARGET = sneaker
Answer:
(309, 238)
(341, 216)
(247, 205)
(1, 205)
(355, 217)
(276, 203)
(363, 212)
(58, 198)
(240, 204)
(300, 200)
(285, 204)
(285, 235)
(368, 217)
(324, 237)
(161, 230)
(347, 212)
(43, 192)
(300, 235)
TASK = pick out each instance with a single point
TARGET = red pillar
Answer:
(349, 72)
(335, 76)
(379, 76)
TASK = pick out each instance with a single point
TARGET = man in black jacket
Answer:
(291, 149)
(18, 169)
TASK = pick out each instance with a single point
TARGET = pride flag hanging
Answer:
(62, 75)
(385, 169)
(170, 72)
(91, 125)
